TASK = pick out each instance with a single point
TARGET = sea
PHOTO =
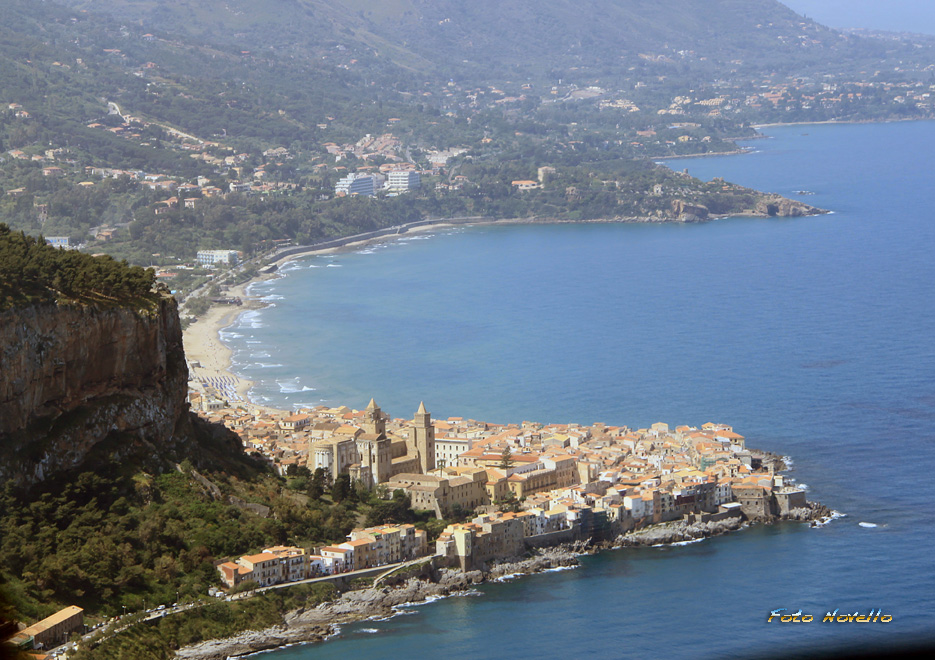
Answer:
(813, 337)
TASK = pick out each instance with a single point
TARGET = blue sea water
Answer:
(814, 337)
(916, 16)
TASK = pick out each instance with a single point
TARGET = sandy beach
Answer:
(209, 359)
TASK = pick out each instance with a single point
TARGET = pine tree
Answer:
(506, 459)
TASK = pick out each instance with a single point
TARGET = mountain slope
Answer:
(524, 37)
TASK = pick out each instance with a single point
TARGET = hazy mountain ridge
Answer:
(520, 36)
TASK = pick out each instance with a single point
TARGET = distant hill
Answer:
(516, 37)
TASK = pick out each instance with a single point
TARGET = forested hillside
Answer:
(150, 130)
(486, 38)
(32, 271)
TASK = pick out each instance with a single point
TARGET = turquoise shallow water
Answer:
(812, 336)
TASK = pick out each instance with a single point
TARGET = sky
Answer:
(894, 15)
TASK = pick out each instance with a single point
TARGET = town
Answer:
(212, 175)
(516, 486)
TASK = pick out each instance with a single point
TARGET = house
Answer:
(272, 566)
(294, 422)
(337, 559)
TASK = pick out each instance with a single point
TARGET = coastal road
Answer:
(376, 571)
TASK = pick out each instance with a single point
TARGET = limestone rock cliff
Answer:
(783, 207)
(686, 212)
(78, 381)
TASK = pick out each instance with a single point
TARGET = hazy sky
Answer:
(897, 15)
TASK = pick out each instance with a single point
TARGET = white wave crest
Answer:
(835, 515)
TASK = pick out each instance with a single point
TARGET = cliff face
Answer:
(77, 381)
(766, 205)
(776, 205)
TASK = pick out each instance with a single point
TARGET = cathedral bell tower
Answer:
(373, 447)
(423, 435)
(373, 419)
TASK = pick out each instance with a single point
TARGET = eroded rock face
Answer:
(686, 212)
(76, 380)
(775, 205)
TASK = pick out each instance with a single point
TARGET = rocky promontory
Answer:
(679, 531)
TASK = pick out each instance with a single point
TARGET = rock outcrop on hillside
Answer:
(83, 380)
(685, 212)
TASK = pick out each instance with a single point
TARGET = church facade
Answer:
(369, 455)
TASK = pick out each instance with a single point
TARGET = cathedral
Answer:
(370, 456)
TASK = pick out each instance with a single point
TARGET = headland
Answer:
(523, 498)
(647, 516)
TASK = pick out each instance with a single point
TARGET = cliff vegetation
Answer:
(34, 272)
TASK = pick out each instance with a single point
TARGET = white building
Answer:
(360, 184)
(447, 450)
(58, 241)
(404, 181)
(212, 257)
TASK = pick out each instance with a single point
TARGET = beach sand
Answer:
(209, 359)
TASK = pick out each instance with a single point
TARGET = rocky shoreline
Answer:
(682, 531)
(317, 624)
(678, 531)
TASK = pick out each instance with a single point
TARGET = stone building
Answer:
(423, 439)
(51, 631)
(443, 494)
(371, 457)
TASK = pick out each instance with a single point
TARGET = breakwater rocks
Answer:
(318, 623)
(682, 531)
(813, 511)
(679, 531)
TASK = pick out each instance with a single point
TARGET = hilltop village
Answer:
(516, 486)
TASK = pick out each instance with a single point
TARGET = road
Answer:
(116, 627)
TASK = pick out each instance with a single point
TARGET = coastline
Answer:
(308, 626)
(210, 358)
(839, 121)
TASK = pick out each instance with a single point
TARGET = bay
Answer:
(812, 336)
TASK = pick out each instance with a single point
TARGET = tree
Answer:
(316, 486)
(397, 510)
(506, 459)
(342, 488)
(198, 306)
